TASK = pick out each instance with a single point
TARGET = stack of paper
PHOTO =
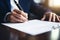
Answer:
(33, 27)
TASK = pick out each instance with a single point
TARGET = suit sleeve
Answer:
(4, 9)
(38, 10)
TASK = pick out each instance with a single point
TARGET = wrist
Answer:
(7, 18)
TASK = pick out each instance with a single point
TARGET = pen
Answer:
(18, 5)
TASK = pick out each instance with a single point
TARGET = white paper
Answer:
(33, 27)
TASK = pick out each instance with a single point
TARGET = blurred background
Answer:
(54, 5)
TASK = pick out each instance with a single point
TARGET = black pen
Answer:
(18, 5)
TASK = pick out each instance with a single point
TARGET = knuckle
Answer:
(11, 16)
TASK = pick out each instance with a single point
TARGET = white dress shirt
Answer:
(13, 5)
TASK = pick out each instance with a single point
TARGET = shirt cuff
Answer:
(5, 18)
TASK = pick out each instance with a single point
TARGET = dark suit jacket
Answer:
(26, 5)
(6, 7)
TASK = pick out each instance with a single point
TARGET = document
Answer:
(33, 27)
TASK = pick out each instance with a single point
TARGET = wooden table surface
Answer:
(24, 36)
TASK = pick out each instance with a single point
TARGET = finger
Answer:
(43, 18)
(17, 11)
(21, 12)
(58, 18)
(19, 16)
(24, 14)
(54, 17)
(13, 19)
(50, 17)
(23, 18)
(16, 15)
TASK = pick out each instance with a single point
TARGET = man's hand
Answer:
(18, 16)
(51, 17)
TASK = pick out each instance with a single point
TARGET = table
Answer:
(24, 36)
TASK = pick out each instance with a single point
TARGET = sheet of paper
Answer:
(33, 27)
